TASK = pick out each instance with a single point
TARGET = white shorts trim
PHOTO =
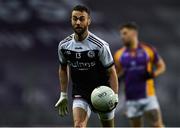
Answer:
(80, 103)
(106, 116)
(138, 107)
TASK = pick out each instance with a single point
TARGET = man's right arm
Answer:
(63, 77)
(63, 69)
(62, 103)
(119, 69)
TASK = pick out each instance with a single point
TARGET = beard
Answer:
(127, 44)
(79, 30)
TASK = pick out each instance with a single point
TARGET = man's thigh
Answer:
(134, 113)
(81, 112)
(136, 121)
(154, 118)
(134, 109)
(152, 112)
(107, 119)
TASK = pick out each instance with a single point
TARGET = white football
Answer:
(103, 98)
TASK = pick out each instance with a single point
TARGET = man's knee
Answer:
(158, 124)
(155, 118)
(79, 124)
(136, 121)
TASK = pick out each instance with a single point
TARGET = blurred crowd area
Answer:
(30, 31)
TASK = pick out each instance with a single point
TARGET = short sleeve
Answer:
(118, 55)
(62, 58)
(106, 56)
(152, 53)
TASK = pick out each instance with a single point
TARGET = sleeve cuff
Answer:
(109, 65)
(63, 64)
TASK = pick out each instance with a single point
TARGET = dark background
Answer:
(30, 31)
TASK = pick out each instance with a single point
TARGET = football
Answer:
(103, 98)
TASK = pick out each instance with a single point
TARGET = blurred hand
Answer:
(62, 104)
(115, 102)
(149, 75)
(116, 99)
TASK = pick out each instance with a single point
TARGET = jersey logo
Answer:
(78, 55)
(91, 54)
(126, 54)
(68, 52)
(133, 63)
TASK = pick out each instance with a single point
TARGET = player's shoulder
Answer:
(148, 46)
(118, 54)
(120, 51)
(66, 40)
(96, 40)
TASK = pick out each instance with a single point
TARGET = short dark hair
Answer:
(81, 8)
(129, 25)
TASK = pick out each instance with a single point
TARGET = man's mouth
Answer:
(78, 28)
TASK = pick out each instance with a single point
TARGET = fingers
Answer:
(62, 107)
(116, 97)
(66, 110)
(63, 110)
(66, 107)
(115, 104)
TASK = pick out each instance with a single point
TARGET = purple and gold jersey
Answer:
(136, 63)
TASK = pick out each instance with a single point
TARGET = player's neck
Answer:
(134, 44)
(81, 37)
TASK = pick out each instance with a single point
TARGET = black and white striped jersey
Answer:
(88, 61)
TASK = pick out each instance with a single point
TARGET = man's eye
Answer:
(75, 19)
(81, 19)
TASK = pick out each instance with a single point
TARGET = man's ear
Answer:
(89, 20)
(136, 33)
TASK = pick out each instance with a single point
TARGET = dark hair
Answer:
(81, 8)
(129, 25)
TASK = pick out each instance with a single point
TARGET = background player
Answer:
(139, 64)
(91, 65)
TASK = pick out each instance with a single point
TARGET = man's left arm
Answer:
(158, 62)
(113, 80)
(160, 67)
(108, 62)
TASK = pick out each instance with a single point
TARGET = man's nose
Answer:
(78, 22)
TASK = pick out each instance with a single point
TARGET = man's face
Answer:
(127, 35)
(80, 21)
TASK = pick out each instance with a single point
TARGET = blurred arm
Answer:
(160, 67)
(63, 76)
(119, 69)
(62, 103)
(113, 79)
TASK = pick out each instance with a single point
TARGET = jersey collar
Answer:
(82, 40)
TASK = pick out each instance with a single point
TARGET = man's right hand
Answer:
(62, 104)
(116, 99)
(149, 75)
